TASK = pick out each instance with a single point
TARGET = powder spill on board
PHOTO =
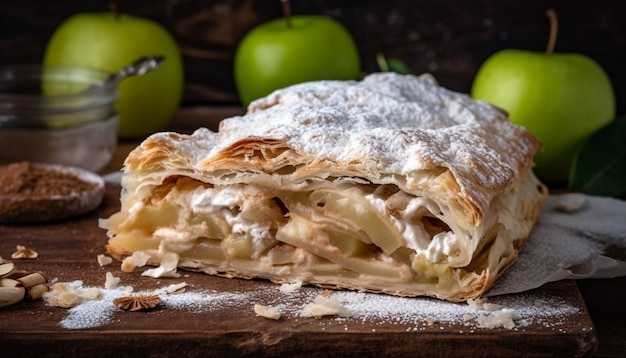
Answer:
(364, 307)
(97, 312)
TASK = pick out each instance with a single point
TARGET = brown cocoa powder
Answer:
(25, 179)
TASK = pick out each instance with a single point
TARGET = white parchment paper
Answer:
(577, 236)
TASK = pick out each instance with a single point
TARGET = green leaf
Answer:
(398, 66)
(600, 166)
(392, 64)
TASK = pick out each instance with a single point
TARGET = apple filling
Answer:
(356, 231)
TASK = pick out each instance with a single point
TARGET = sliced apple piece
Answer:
(350, 204)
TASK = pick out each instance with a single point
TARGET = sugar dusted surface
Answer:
(397, 123)
(383, 311)
(384, 124)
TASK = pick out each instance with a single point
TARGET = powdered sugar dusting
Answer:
(99, 311)
(93, 313)
(418, 312)
(350, 307)
(397, 123)
(386, 124)
(202, 301)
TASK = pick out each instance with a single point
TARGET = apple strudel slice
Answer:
(391, 184)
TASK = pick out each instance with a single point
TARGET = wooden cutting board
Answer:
(215, 316)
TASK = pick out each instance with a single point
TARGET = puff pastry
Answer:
(391, 184)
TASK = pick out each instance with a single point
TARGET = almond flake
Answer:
(6, 268)
(22, 252)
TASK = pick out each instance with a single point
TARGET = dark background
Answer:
(447, 38)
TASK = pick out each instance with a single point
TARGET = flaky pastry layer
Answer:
(391, 184)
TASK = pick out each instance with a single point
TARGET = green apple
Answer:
(562, 98)
(110, 41)
(280, 53)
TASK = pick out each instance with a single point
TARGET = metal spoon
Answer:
(137, 68)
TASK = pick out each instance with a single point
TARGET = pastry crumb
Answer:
(167, 267)
(496, 315)
(504, 318)
(161, 271)
(325, 305)
(267, 312)
(68, 295)
(104, 260)
(483, 304)
(173, 288)
(111, 282)
(137, 259)
(291, 287)
(468, 317)
(569, 203)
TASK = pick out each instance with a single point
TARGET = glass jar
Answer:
(57, 114)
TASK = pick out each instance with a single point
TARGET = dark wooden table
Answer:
(68, 252)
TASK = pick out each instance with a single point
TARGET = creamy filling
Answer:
(436, 248)
(378, 233)
(230, 201)
(368, 233)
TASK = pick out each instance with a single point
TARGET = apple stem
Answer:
(554, 27)
(114, 9)
(287, 12)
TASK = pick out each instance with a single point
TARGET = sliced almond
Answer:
(9, 283)
(11, 295)
(6, 269)
(23, 252)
